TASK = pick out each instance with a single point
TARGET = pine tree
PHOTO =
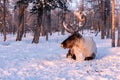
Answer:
(118, 41)
(113, 24)
(4, 20)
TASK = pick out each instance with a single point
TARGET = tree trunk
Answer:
(20, 23)
(102, 20)
(113, 24)
(118, 41)
(63, 19)
(4, 29)
(38, 28)
(49, 21)
(108, 18)
(25, 25)
(36, 34)
(108, 33)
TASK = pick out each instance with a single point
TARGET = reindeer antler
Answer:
(79, 16)
(66, 28)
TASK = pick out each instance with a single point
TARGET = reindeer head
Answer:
(71, 40)
(75, 36)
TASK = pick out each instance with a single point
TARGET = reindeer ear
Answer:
(79, 35)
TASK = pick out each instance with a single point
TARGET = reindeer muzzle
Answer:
(62, 46)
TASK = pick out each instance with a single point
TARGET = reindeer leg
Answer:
(74, 57)
(91, 57)
(70, 55)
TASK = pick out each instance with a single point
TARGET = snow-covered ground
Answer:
(47, 60)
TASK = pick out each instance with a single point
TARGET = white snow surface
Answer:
(47, 60)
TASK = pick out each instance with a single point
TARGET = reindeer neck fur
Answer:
(80, 44)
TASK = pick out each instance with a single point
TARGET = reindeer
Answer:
(80, 48)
